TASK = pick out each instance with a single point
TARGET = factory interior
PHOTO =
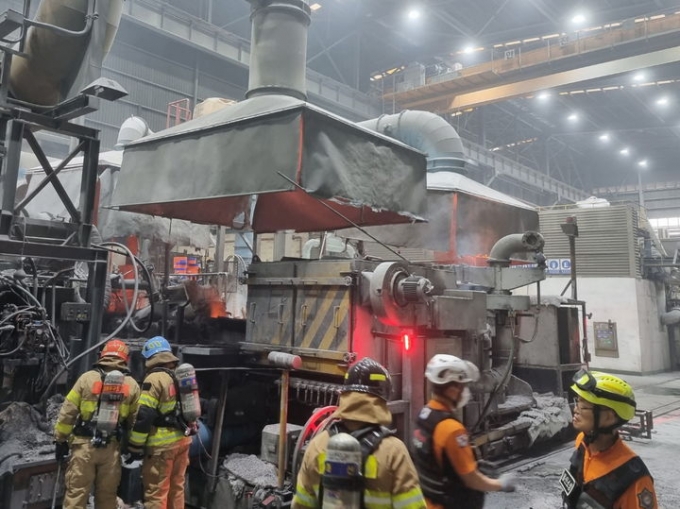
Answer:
(281, 188)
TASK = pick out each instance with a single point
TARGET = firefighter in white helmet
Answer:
(443, 456)
(98, 410)
(162, 433)
(387, 479)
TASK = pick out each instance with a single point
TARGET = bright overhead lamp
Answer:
(578, 19)
(643, 163)
(624, 151)
(639, 77)
(543, 96)
(662, 101)
(413, 14)
(468, 49)
(315, 6)
(604, 137)
(573, 117)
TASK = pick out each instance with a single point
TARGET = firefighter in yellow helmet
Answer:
(161, 438)
(388, 477)
(604, 472)
(98, 410)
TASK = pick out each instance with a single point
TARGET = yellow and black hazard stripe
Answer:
(327, 328)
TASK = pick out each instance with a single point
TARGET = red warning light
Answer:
(406, 340)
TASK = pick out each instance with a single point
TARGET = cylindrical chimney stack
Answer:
(278, 47)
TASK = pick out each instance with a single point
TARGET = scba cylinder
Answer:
(342, 478)
(189, 398)
(112, 394)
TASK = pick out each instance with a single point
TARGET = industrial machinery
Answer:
(270, 380)
(313, 171)
(53, 277)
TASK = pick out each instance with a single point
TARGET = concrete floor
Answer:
(538, 480)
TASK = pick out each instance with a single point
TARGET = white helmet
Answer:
(443, 369)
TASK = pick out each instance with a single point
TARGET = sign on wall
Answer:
(606, 341)
(558, 266)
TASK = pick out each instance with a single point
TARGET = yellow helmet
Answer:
(606, 390)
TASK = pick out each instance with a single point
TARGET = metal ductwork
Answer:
(133, 129)
(278, 58)
(310, 170)
(516, 243)
(65, 46)
(427, 132)
(672, 317)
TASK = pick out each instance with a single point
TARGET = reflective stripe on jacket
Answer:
(82, 400)
(158, 397)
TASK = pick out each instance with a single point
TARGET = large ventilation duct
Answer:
(672, 317)
(465, 217)
(65, 47)
(278, 45)
(427, 132)
(304, 164)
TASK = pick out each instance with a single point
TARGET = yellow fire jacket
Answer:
(83, 398)
(391, 481)
(158, 397)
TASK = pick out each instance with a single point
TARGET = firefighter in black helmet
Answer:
(389, 477)
(368, 376)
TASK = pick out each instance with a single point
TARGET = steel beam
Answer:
(504, 166)
(532, 85)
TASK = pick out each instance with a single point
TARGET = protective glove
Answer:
(61, 451)
(508, 482)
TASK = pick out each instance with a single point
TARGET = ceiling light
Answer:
(624, 151)
(638, 77)
(543, 96)
(578, 19)
(468, 49)
(663, 101)
(414, 14)
(315, 7)
(573, 117)
(643, 163)
(604, 137)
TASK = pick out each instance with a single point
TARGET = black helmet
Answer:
(370, 377)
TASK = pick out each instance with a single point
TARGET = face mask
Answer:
(464, 398)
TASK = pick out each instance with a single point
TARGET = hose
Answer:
(500, 384)
(147, 275)
(122, 325)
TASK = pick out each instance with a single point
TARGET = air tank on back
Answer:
(59, 63)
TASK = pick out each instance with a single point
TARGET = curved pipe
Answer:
(672, 317)
(56, 47)
(427, 132)
(515, 243)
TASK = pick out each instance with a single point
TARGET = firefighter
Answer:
(443, 456)
(388, 477)
(161, 437)
(604, 472)
(98, 410)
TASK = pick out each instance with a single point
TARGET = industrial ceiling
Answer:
(589, 134)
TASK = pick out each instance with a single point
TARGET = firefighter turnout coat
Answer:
(82, 401)
(91, 464)
(390, 478)
(159, 397)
